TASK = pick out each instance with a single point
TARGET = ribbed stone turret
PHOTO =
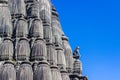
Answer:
(6, 49)
(36, 28)
(33, 45)
(25, 71)
(23, 49)
(8, 71)
(21, 29)
(68, 54)
(6, 28)
(21, 7)
(38, 51)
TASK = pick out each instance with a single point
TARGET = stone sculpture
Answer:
(33, 45)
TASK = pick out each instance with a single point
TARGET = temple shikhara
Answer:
(33, 45)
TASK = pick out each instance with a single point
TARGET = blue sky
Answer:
(94, 25)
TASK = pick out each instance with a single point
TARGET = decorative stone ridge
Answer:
(33, 45)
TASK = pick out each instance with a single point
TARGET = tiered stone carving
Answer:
(33, 45)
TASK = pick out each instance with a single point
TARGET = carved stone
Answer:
(33, 45)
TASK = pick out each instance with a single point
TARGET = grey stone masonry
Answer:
(33, 45)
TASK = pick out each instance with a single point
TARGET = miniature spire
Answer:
(76, 53)
(68, 54)
(8, 71)
(77, 66)
(5, 19)
(25, 71)
(6, 49)
(23, 49)
(21, 7)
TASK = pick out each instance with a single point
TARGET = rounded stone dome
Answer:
(7, 69)
(43, 72)
(45, 10)
(23, 49)
(6, 49)
(25, 71)
(39, 50)
(6, 28)
(21, 29)
(36, 29)
(77, 67)
(68, 54)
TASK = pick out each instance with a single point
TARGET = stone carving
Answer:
(76, 53)
(33, 45)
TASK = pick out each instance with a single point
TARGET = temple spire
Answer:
(33, 45)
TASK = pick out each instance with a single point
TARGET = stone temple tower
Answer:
(33, 45)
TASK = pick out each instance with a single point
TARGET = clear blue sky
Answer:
(95, 26)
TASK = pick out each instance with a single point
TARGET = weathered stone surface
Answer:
(8, 72)
(56, 28)
(39, 50)
(61, 58)
(77, 67)
(36, 29)
(33, 45)
(23, 49)
(65, 75)
(45, 10)
(47, 30)
(25, 72)
(56, 75)
(68, 54)
(21, 29)
(51, 54)
(6, 49)
(43, 72)
(21, 7)
(6, 28)
(13, 6)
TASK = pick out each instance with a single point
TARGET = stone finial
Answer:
(76, 53)
(45, 11)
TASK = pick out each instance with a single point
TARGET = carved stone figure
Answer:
(76, 53)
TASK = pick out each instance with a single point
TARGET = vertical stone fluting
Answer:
(45, 11)
(38, 54)
(8, 71)
(21, 7)
(36, 29)
(57, 40)
(77, 68)
(43, 71)
(38, 46)
(32, 43)
(23, 49)
(25, 71)
(13, 7)
(6, 49)
(22, 46)
(68, 54)
(45, 15)
(6, 28)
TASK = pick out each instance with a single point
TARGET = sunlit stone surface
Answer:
(33, 45)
